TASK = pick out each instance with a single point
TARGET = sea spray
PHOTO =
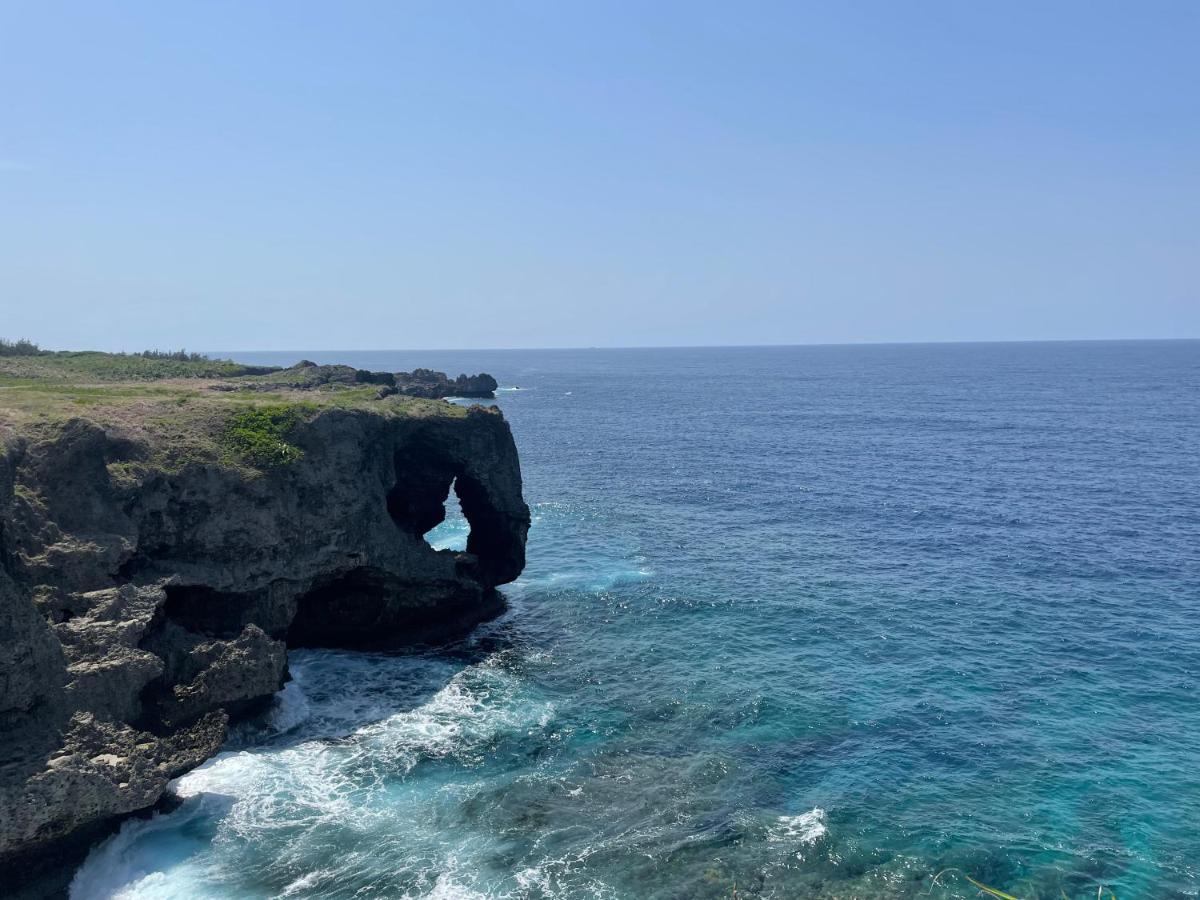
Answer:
(335, 769)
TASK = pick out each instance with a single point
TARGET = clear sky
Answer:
(262, 175)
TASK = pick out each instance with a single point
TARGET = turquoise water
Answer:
(802, 622)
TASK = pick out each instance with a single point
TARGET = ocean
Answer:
(839, 621)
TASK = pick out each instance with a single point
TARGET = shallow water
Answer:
(797, 622)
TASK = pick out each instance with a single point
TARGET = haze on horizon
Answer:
(383, 175)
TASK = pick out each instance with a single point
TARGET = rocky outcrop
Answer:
(431, 384)
(141, 608)
(307, 375)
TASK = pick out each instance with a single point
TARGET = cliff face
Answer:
(141, 606)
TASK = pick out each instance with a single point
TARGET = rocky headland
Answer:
(426, 383)
(168, 528)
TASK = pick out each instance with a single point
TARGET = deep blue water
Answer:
(797, 622)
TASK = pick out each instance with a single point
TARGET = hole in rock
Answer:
(420, 504)
(454, 530)
(417, 504)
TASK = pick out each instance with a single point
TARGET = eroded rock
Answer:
(141, 608)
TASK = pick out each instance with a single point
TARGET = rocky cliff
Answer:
(155, 564)
(428, 383)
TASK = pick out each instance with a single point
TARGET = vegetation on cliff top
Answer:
(20, 347)
(188, 408)
(24, 359)
(259, 434)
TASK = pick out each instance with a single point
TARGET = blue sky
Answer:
(431, 175)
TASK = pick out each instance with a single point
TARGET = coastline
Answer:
(165, 540)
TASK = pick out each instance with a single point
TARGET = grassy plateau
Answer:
(186, 407)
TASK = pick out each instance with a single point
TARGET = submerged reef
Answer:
(164, 538)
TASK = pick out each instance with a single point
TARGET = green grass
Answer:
(97, 366)
(183, 409)
(259, 435)
(294, 377)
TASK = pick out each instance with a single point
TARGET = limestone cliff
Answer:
(147, 596)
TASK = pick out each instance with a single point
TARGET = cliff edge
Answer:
(163, 541)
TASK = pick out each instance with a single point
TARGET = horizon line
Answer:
(777, 346)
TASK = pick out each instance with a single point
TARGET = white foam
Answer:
(290, 709)
(804, 829)
(351, 742)
(306, 882)
(119, 868)
(452, 532)
(469, 712)
(449, 536)
(447, 889)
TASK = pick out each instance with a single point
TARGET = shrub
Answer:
(177, 355)
(259, 434)
(20, 347)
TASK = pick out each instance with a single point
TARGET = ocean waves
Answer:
(348, 732)
(824, 622)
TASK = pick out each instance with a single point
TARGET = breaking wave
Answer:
(347, 735)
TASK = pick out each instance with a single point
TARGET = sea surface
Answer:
(854, 622)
